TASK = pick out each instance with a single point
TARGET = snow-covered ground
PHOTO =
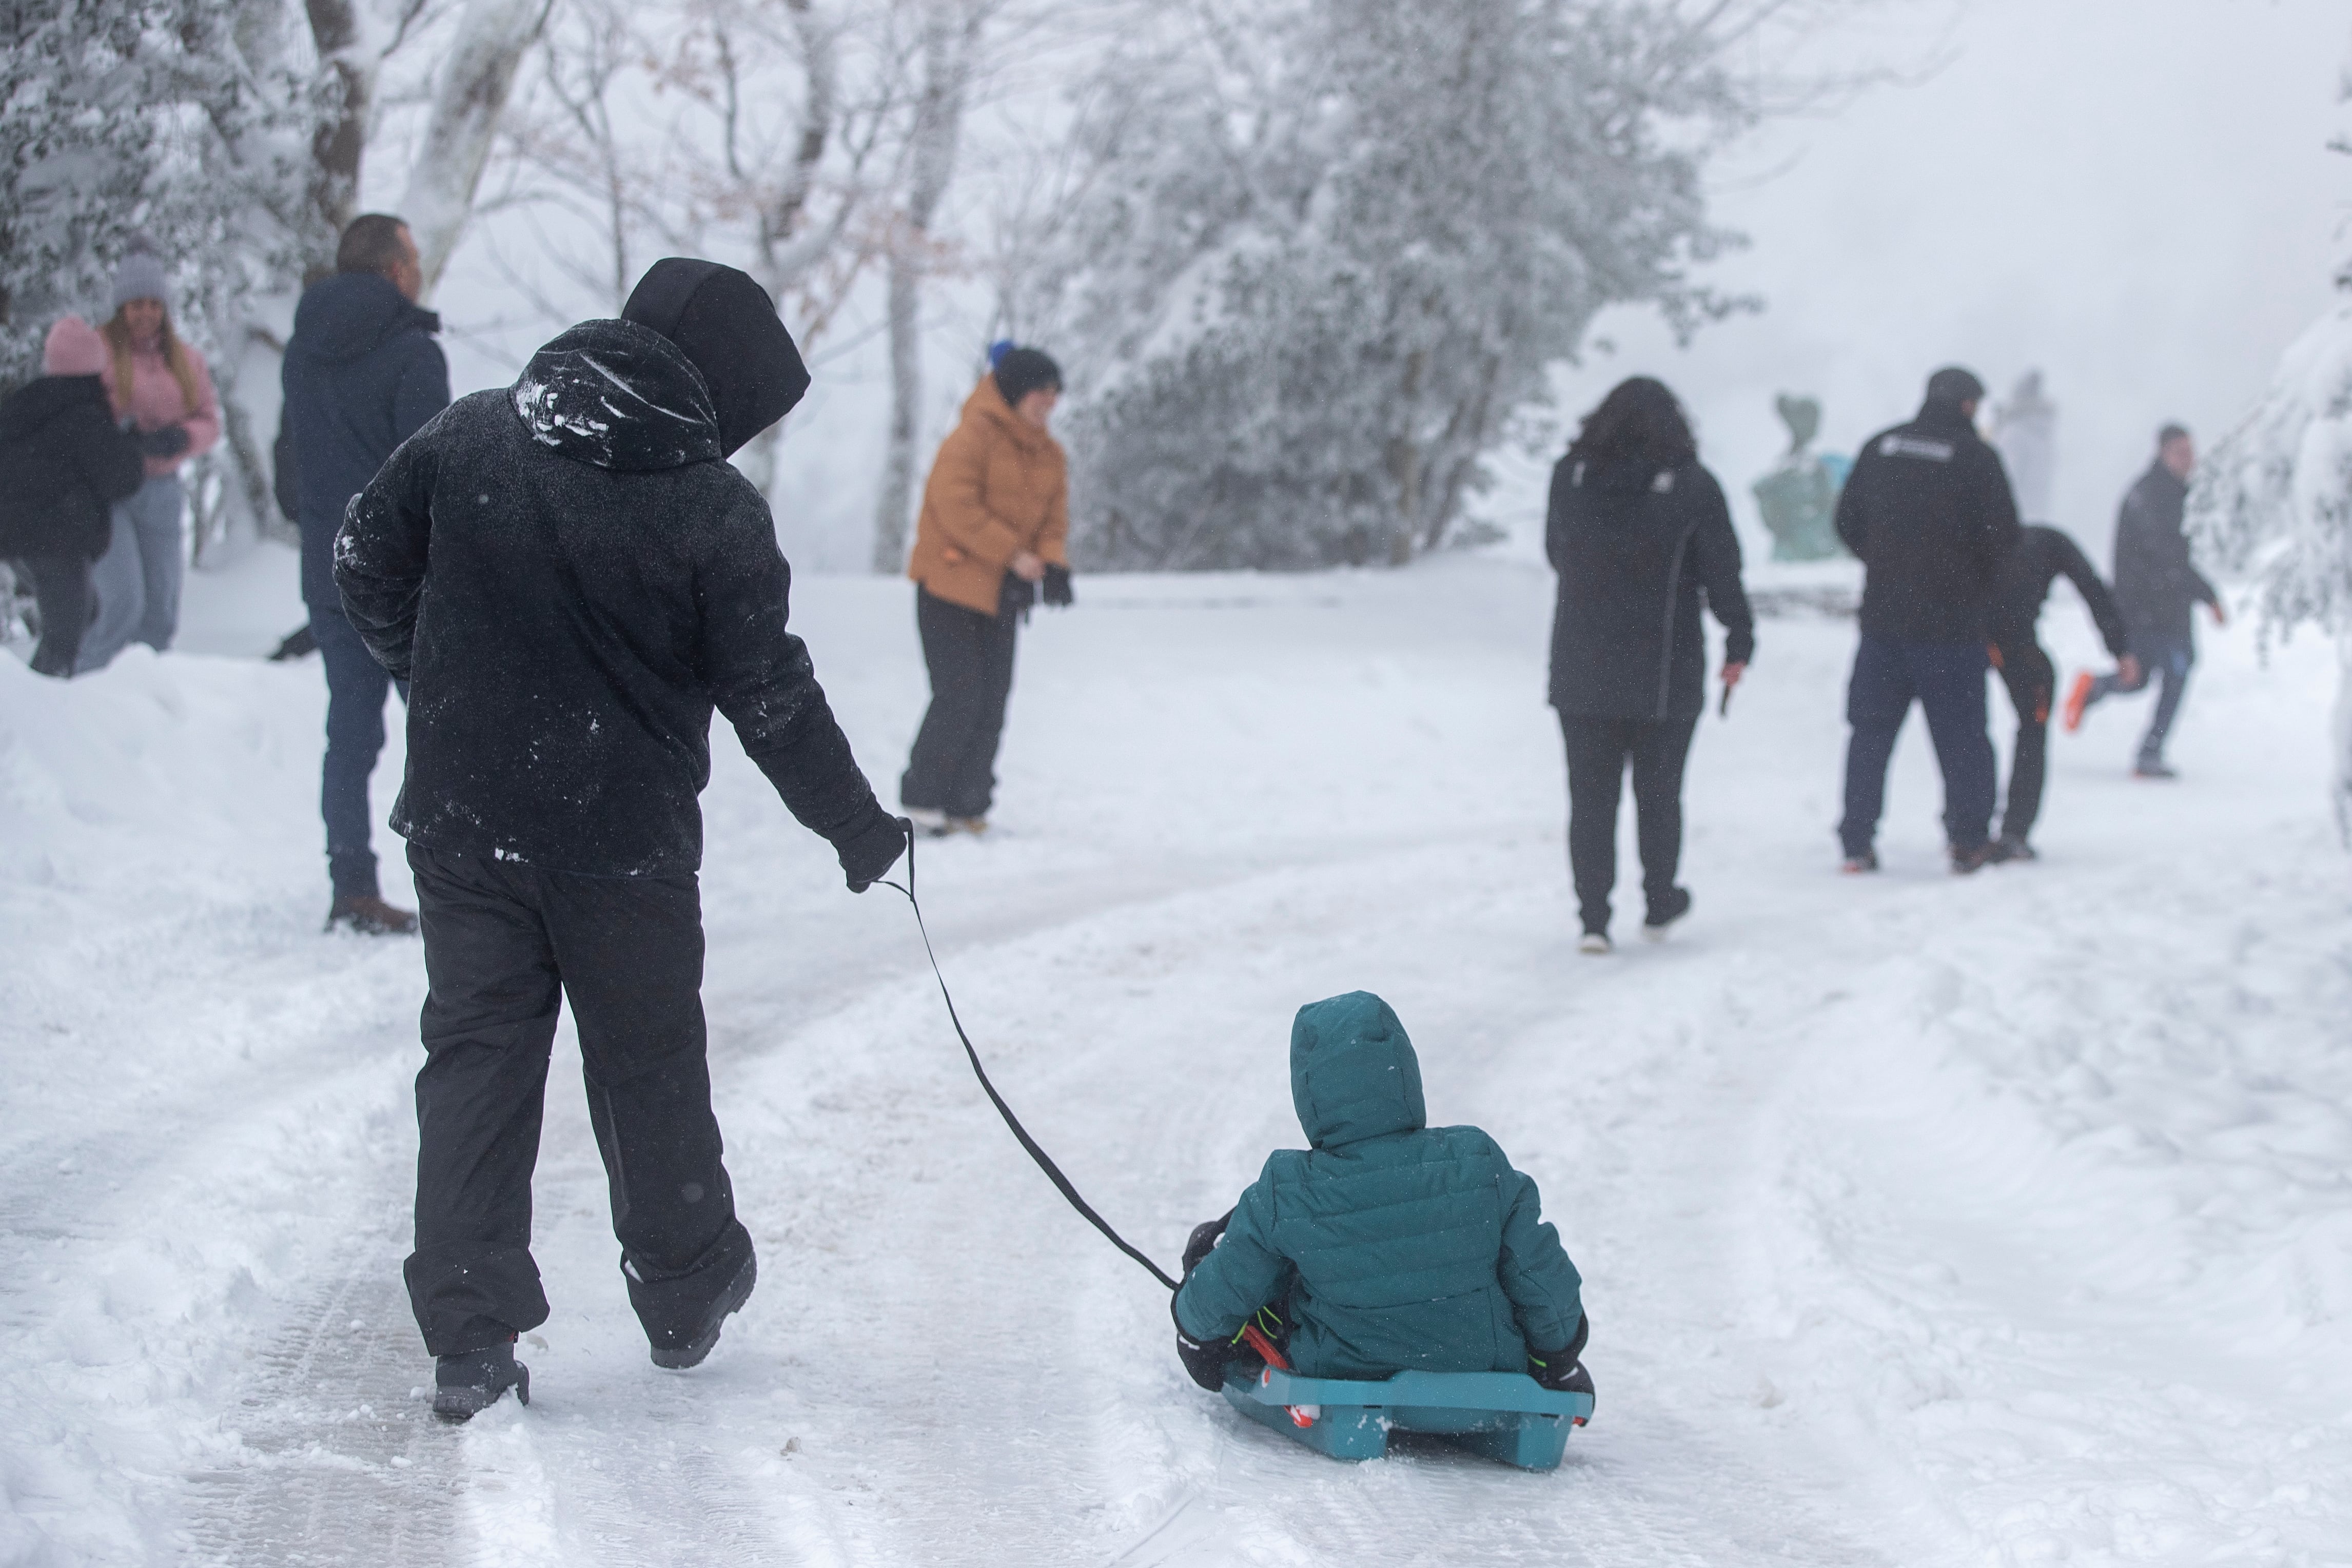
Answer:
(1924, 1221)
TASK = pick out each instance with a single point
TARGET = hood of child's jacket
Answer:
(30, 409)
(1353, 1074)
(618, 395)
(350, 315)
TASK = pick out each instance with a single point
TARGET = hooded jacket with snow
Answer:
(570, 578)
(63, 464)
(1929, 511)
(2155, 582)
(1636, 546)
(999, 486)
(1388, 1245)
(362, 375)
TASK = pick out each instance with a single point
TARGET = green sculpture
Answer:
(1799, 496)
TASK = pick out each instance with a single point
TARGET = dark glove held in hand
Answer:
(1204, 1241)
(1057, 586)
(868, 854)
(169, 442)
(1204, 1359)
(1562, 1369)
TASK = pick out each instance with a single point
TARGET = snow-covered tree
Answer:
(1318, 251)
(2272, 500)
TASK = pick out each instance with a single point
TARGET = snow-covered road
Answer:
(1924, 1221)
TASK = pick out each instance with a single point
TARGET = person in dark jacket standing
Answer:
(64, 463)
(572, 578)
(1641, 538)
(362, 375)
(1929, 511)
(2042, 556)
(2159, 586)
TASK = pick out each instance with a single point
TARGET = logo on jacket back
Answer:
(1913, 447)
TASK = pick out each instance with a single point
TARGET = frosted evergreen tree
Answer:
(2272, 500)
(1317, 251)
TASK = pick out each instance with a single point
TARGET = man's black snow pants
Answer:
(969, 656)
(503, 944)
(2031, 680)
(1598, 751)
(1947, 680)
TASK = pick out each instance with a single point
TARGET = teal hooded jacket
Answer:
(1387, 1245)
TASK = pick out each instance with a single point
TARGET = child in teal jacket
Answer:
(1386, 1245)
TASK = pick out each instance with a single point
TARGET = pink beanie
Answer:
(73, 348)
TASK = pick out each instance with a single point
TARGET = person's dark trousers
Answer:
(1598, 750)
(969, 656)
(2031, 680)
(356, 688)
(61, 588)
(2168, 661)
(502, 943)
(1948, 680)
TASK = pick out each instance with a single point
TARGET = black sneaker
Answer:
(465, 1385)
(1665, 912)
(2007, 851)
(1968, 862)
(678, 1358)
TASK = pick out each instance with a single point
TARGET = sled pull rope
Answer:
(1044, 1161)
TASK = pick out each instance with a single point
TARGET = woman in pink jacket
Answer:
(157, 382)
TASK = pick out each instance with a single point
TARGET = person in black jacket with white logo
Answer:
(2042, 556)
(1642, 540)
(1929, 511)
(572, 578)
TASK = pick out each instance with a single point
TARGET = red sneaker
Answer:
(2078, 697)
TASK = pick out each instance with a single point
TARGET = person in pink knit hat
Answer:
(64, 464)
(158, 381)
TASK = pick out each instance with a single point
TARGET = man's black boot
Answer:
(678, 1356)
(467, 1383)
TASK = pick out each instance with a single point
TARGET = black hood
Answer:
(618, 395)
(31, 408)
(724, 323)
(351, 314)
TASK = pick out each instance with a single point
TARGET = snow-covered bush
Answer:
(2272, 500)
(1316, 252)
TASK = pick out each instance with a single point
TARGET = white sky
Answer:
(2133, 195)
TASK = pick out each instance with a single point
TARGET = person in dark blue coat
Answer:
(1929, 512)
(1386, 1245)
(2041, 558)
(362, 375)
(1642, 540)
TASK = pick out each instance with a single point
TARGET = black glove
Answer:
(867, 854)
(1015, 596)
(169, 442)
(1204, 1359)
(1057, 586)
(1562, 1371)
(1204, 1241)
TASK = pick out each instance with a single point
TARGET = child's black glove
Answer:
(1562, 1371)
(1204, 1241)
(1204, 1359)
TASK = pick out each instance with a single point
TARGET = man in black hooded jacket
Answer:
(1929, 511)
(572, 577)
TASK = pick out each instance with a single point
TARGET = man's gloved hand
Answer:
(1057, 586)
(169, 442)
(867, 854)
(1204, 1241)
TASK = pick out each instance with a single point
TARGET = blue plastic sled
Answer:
(1505, 1416)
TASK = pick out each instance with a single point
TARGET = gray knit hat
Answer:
(140, 277)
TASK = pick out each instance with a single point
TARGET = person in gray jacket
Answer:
(2157, 585)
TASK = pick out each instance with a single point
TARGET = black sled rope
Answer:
(1044, 1161)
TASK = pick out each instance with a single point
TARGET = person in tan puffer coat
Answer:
(993, 535)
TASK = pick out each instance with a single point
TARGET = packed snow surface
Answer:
(1924, 1221)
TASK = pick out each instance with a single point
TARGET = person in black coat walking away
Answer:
(362, 375)
(64, 463)
(1929, 511)
(2159, 586)
(1642, 540)
(572, 578)
(2042, 556)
